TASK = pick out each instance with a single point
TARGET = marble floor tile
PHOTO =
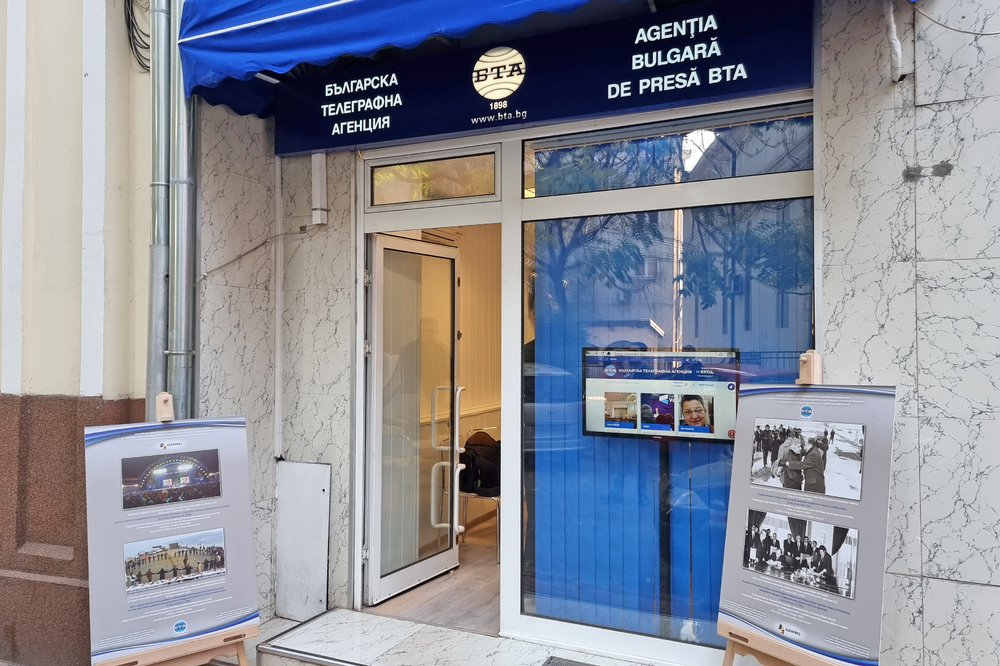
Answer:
(953, 66)
(368, 639)
(868, 209)
(903, 537)
(871, 338)
(958, 329)
(960, 505)
(961, 624)
(958, 216)
(349, 636)
(902, 621)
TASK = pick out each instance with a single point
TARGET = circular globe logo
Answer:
(610, 370)
(180, 627)
(498, 73)
(806, 412)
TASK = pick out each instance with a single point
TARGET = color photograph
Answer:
(620, 410)
(805, 552)
(811, 456)
(174, 559)
(171, 478)
(657, 411)
(697, 413)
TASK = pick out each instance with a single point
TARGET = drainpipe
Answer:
(156, 323)
(180, 336)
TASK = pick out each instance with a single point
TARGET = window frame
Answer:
(511, 209)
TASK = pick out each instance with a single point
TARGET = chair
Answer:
(469, 439)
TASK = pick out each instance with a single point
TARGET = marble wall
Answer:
(318, 334)
(911, 298)
(236, 272)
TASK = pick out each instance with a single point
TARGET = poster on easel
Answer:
(169, 535)
(806, 533)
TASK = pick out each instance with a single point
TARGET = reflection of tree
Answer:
(730, 247)
(439, 179)
(608, 249)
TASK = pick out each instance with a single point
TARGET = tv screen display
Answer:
(661, 393)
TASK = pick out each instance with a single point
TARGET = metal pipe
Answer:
(156, 323)
(180, 336)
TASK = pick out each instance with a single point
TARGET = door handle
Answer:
(435, 497)
(457, 450)
(434, 417)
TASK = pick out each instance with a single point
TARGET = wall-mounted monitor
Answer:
(687, 394)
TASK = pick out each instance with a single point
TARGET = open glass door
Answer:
(412, 428)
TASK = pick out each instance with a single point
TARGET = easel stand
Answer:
(197, 651)
(766, 650)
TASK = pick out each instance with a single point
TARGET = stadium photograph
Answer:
(177, 477)
(174, 559)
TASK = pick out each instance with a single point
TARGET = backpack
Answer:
(482, 466)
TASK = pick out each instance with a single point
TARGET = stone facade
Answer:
(909, 297)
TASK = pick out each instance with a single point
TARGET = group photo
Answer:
(174, 559)
(163, 479)
(805, 552)
(811, 456)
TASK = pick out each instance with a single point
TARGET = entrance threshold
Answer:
(350, 638)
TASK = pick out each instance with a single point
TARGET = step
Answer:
(350, 638)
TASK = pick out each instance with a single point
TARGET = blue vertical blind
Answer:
(628, 533)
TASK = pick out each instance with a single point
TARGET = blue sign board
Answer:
(690, 54)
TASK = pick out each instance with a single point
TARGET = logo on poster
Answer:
(180, 627)
(610, 370)
(498, 73)
(782, 629)
(806, 412)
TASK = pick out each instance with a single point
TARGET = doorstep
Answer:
(350, 638)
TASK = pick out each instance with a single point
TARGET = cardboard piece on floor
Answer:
(195, 652)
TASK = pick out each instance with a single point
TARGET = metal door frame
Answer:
(378, 588)
(512, 211)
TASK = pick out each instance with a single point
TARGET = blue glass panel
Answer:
(627, 532)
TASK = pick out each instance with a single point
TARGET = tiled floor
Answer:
(467, 598)
(349, 637)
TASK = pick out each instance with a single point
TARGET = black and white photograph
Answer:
(805, 552)
(811, 456)
(171, 478)
(174, 559)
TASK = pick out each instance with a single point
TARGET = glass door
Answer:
(412, 429)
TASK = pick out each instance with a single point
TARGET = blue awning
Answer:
(225, 43)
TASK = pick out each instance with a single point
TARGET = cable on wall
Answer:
(138, 38)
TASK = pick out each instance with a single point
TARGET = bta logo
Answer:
(180, 627)
(610, 370)
(498, 73)
(806, 412)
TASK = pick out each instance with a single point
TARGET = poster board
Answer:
(814, 593)
(169, 533)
